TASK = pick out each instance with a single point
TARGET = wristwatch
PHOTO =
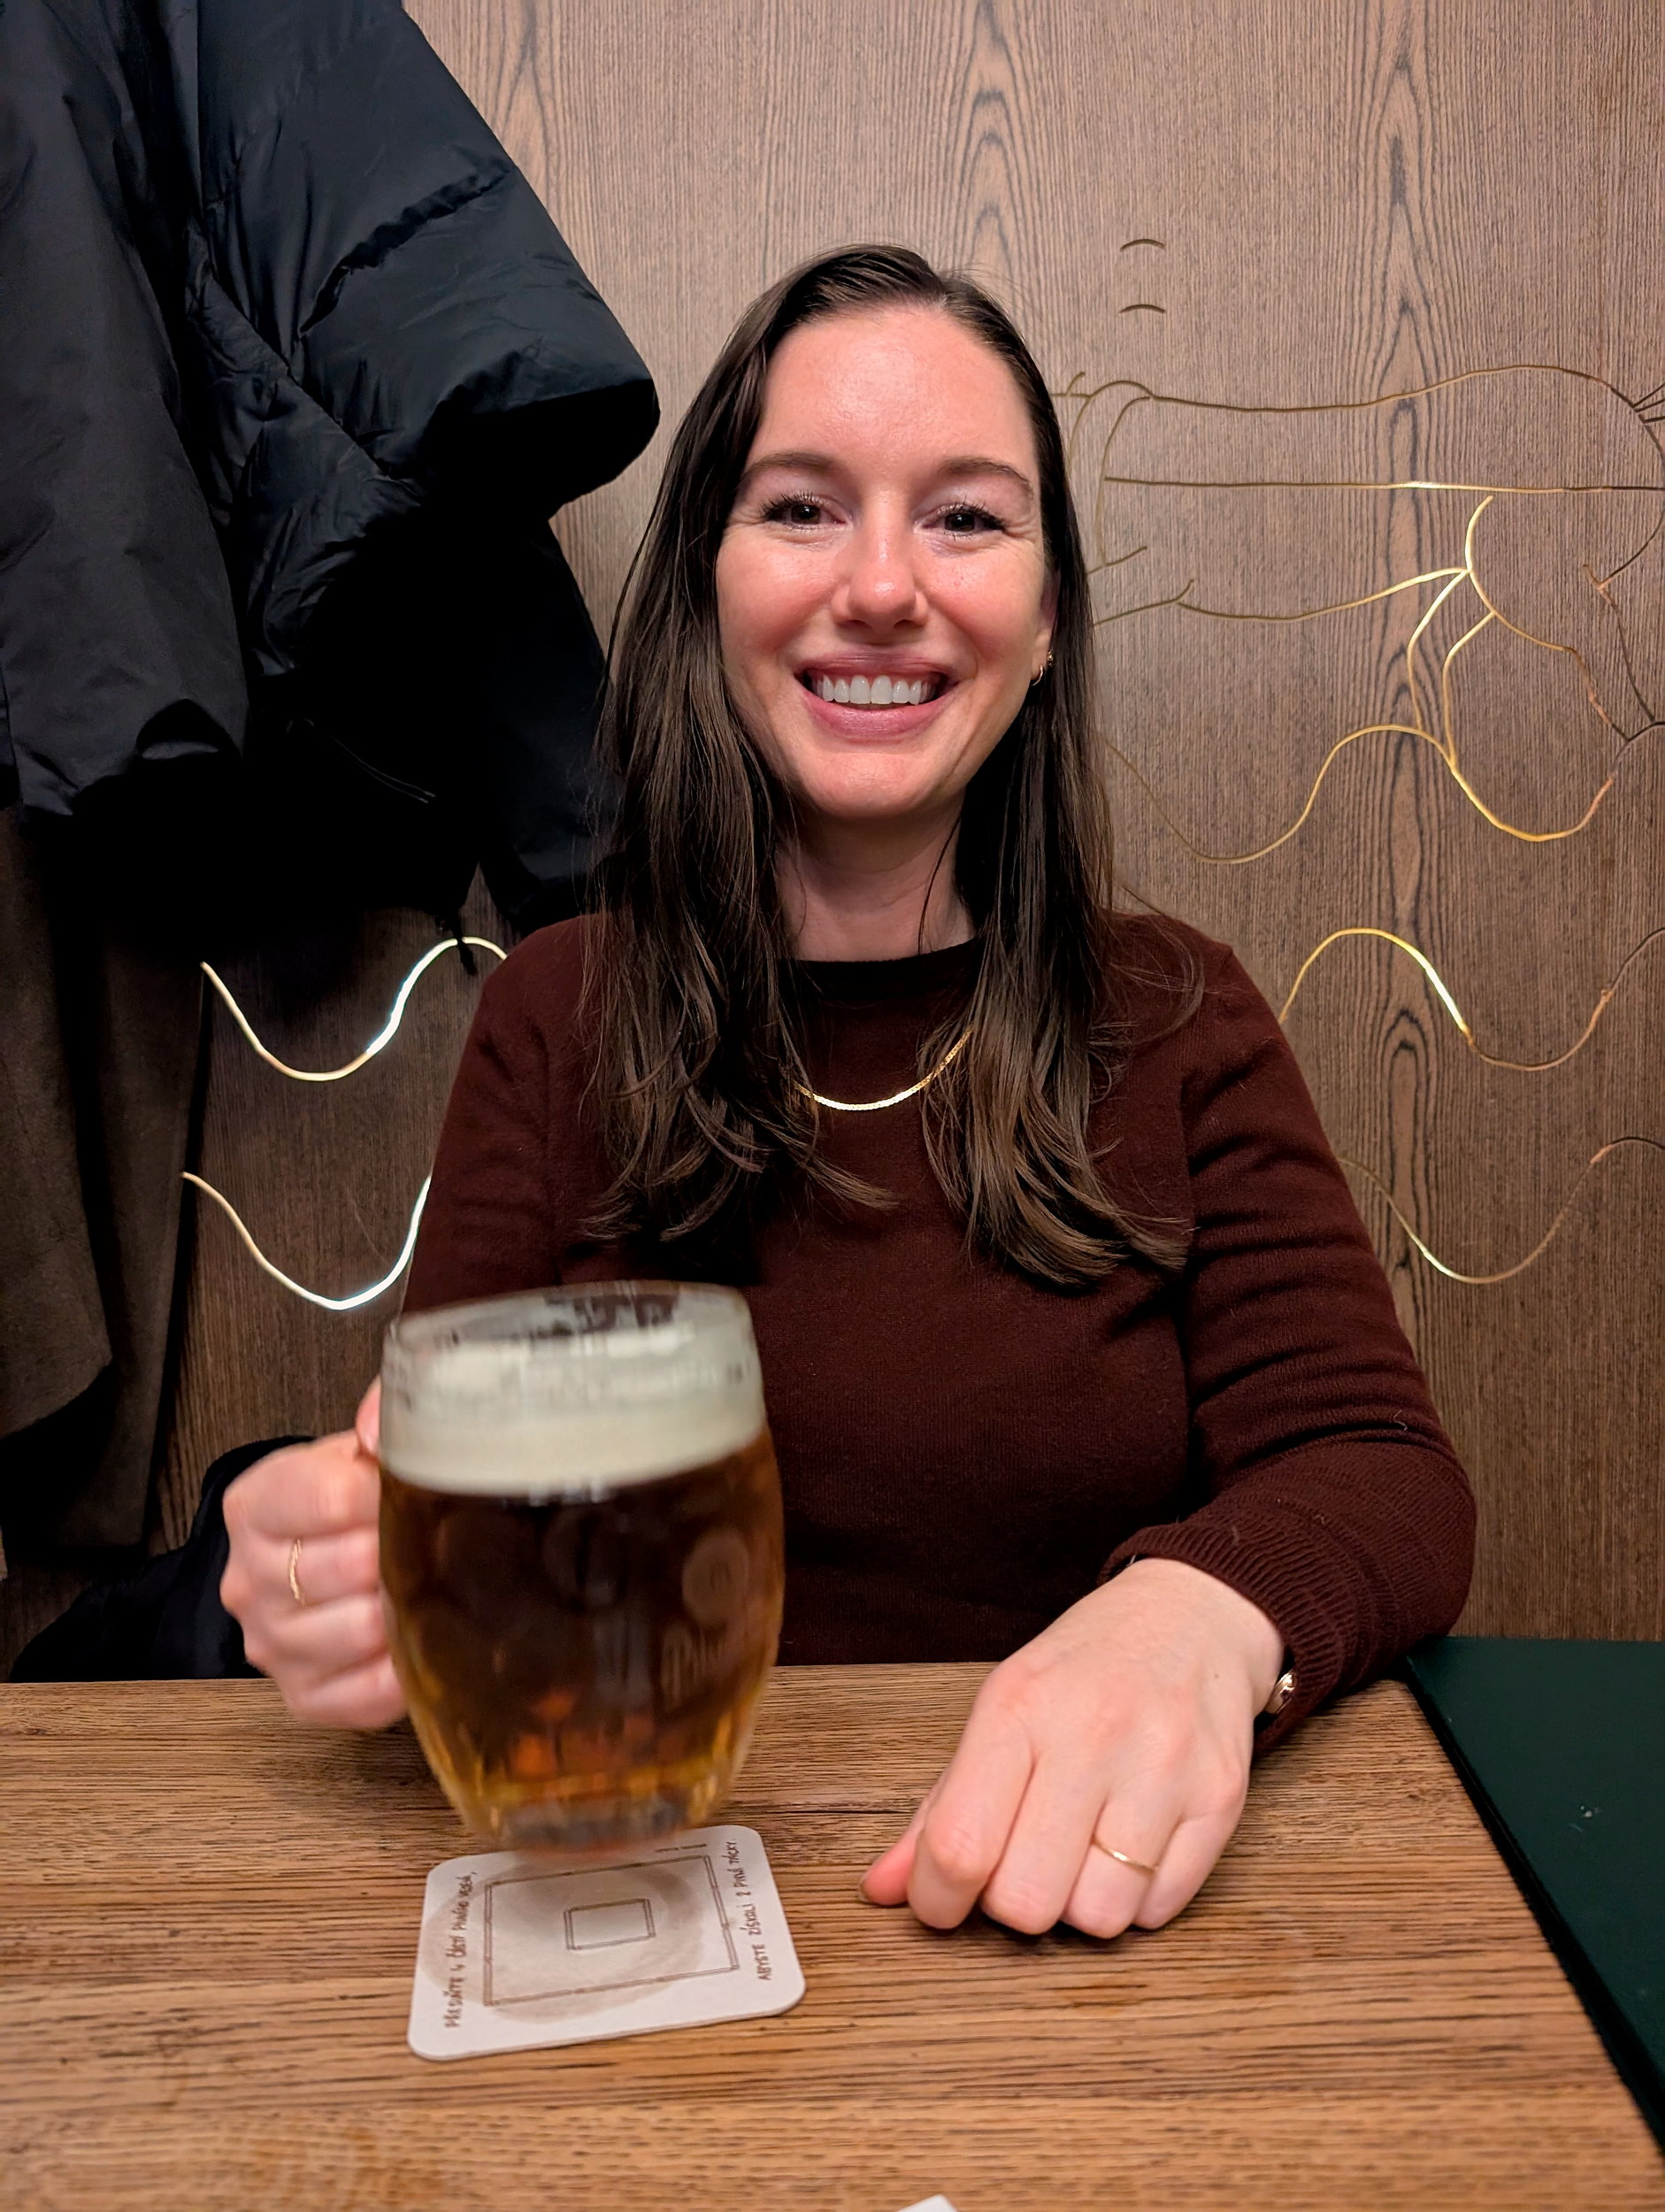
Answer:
(1283, 1690)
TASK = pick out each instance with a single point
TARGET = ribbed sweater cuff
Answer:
(1297, 1575)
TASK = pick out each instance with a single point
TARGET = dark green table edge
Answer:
(1634, 2063)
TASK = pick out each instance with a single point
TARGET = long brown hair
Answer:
(701, 1087)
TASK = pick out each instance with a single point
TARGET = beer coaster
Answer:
(520, 1949)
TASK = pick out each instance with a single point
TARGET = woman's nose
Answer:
(880, 587)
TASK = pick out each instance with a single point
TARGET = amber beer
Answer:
(582, 1551)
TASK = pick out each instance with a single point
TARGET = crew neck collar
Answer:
(917, 976)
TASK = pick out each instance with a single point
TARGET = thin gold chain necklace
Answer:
(873, 1105)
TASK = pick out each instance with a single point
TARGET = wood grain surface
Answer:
(1257, 208)
(325, 1175)
(1348, 201)
(210, 1934)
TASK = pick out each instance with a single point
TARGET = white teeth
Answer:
(879, 691)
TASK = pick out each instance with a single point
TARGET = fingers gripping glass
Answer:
(582, 1551)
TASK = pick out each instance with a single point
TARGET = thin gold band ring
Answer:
(296, 1591)
(1121, 1859)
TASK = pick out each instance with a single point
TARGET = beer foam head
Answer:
(570, 1391)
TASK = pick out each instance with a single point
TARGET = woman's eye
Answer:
(799, 513)
(965, 522)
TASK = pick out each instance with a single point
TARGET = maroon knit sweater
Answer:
(965, 1452)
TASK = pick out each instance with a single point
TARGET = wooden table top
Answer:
(208, 1924)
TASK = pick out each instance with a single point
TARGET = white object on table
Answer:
(519, 1950)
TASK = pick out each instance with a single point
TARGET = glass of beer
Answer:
(581, 1547)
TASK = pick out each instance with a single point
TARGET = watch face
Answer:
(1283, 1690)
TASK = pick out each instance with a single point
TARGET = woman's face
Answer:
(882, 593)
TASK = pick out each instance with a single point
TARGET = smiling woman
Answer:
(888, 563)
(1076, 1357)
(877, 462)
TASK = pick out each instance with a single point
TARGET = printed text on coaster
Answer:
(520, 1949)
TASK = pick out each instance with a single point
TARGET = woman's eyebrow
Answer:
(980, 465)
(818, 463)
(959, 464)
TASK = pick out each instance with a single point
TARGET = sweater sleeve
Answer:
(1331, 1496)
(490, 1225)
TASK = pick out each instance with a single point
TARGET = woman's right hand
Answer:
(328, 1656)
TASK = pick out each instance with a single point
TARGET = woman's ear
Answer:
(1042, 658)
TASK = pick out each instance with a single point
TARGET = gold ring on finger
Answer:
(296, 1591)
(1121, 1859)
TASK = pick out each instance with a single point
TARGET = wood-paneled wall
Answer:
(1349, 200)
(1320, 287)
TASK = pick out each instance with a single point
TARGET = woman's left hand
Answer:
(1126, 1726)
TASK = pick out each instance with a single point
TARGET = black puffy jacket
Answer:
(294, 369)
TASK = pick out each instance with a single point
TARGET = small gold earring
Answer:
(1040, 671)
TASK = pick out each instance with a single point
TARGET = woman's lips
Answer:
(858, 718)
(873, 723)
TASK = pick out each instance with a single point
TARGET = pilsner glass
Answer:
(582, 1550)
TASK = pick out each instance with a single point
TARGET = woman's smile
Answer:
(868, 702)
(883, 593)
(869, 688)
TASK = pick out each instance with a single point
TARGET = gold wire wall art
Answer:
(1536, 495)
(1442, 992)
(1490, 449)
(1566, 558)
(384, 1036)
(1615, 1145)
(353, 1299)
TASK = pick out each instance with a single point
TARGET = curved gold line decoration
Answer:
(1145, 606)
(1603, 585)
(1370, 729)
(384, 1035)
(1521, 1067)
(1362, 929)
(1532, 637)
(1308, 614)
(1446, 742)
(1366, 484)
(1346, 406)
(1415, 640)
(1503, 1274)
(1121, 561)
(364, 1297)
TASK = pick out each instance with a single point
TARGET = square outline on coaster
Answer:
(644, 1934)
(634, 1981)
(448, 2021)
